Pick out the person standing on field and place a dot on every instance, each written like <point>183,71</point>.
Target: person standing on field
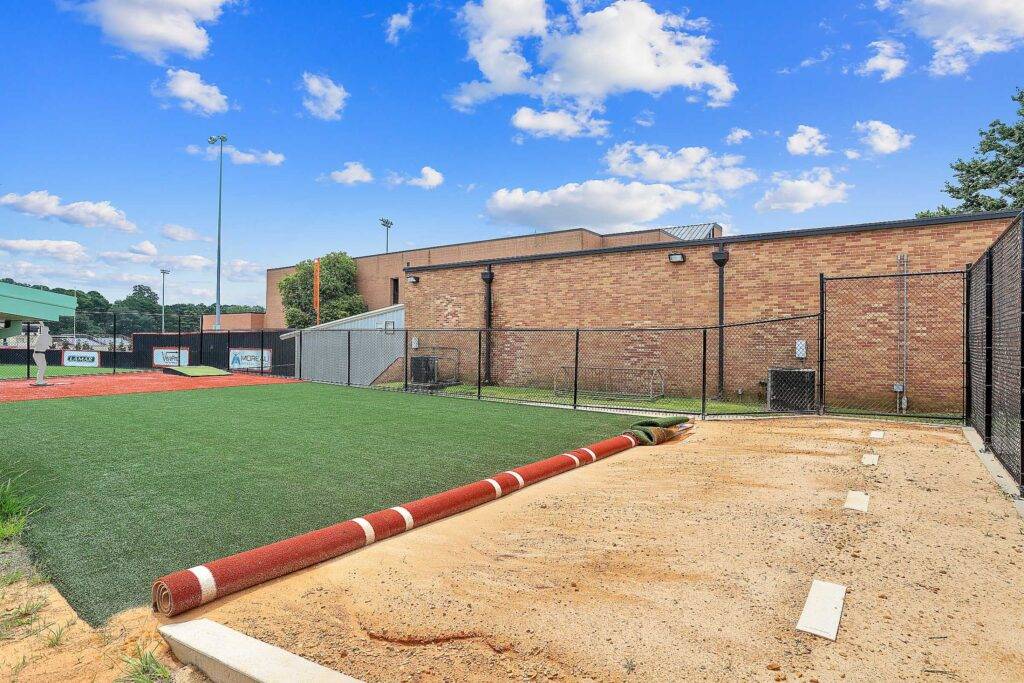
<point>43,342</point>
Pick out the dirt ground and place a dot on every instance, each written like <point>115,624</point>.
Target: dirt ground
<point>125,383</point>
<point>686,561</point>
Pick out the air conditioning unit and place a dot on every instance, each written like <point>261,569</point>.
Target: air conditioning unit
<point>423,370</point>
<point>791,390</point>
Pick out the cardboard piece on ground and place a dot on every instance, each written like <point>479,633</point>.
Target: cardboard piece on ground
<point>856,500</point>
<point>869,459</point>
<point>227,656</point>
<point>823,609</point>
<point>877,434</point>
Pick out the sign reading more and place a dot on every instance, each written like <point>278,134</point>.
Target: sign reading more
<point>249,359</point>
<point>80,359</point>
<point>167,357</point>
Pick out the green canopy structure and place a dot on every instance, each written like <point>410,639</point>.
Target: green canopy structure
<point>23,304</point>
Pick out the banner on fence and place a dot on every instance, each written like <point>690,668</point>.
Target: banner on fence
<point>249,359</point>
<point>80,359</point>
<point>168,356</point>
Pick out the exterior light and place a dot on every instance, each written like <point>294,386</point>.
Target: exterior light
<point>412,279</point>
<point>676,257</point>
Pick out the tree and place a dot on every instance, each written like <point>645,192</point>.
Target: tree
<point>339,297</point>
<point>142,300</point>
<point>993,180</point>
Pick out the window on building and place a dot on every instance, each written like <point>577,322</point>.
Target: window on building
<point>394,290</point>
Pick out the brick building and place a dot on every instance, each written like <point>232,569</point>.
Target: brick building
<point>684,278</point>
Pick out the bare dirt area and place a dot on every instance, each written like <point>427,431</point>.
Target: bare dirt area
<point>690,560</point>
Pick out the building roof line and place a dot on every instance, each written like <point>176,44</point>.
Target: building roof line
<point>722,241</point>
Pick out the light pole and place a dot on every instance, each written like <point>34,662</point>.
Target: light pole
<point>214,139</point>
<point>387,224</point>
<point>163,297</point>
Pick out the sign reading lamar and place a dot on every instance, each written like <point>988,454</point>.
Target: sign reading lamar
<point>249,359</point>
<point>80,359</point>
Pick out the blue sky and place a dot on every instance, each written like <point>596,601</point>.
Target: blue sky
<point>464,121</point>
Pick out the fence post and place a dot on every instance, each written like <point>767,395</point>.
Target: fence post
<point>479,362</point>
<point>704,373</point>
<point>348,357</point>
<point>262,344</point>
<point>821,343</point>
<point>576,372</point>
<point>114,315</point>
<point>227,349</point>
<point>179,340</point>
<point>200,340</point>
<point>967,345</point>
<point>988,347</point>
<point>405,354</point>
<point>28,350</point>
<point>298,364</point>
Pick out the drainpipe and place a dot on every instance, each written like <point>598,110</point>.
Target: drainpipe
<point>721,257</point>
<point>488,277</point>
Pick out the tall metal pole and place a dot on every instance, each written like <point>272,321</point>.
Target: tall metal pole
<point>387,224</point>
<point>220,200</point>
<point>163,300</point>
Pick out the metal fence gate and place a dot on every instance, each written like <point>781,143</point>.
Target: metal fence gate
<point>894,345</point>
<point>995,320</point>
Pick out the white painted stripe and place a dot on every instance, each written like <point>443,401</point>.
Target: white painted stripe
<point>877,434</point>
<point>518,477</point>
<point>406,515</point>
<point>856,500</point>
<point>497,487</point>
<point>207,584</point>
<point>823,609</point>
<point>631,438</point>
<point>869,459</point>
<point>575,459</point>
<point>592,454</point>
<point>371,536</point>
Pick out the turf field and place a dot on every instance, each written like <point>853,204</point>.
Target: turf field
<point>17,371</point>
<point>131,487</point>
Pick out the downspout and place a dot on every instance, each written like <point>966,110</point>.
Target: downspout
<point>488,277</point>
<point>721,257</point>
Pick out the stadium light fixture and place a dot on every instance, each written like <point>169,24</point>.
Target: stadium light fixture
<point>213,140</point>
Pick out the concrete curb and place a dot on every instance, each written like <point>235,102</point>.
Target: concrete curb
<point>995,468</point>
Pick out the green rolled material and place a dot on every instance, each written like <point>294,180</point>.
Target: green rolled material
<point>654,430</point>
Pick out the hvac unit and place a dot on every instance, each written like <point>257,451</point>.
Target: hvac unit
<point>436,369</point>
<point>423,369</point>
<point>791,390</point>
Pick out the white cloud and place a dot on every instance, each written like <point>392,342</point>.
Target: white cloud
<point>428,179</point>
<point>324,98</point>
<point>179,233</point>
<point>808,140</point>
<point>155,28</point>
<point>881,137</point>
<point>237,156</point>
<point>61,250</point>
<point>596,204</point>
<point>695,168</point>
<point>240,270</point>
<point>812,188</point>
<point>397,24</point>
<point>353,173</point>
<point>851,154</point>
<point>145,248</point>
<point>192,94</point>
<point>644,118</point>
<point>145,252</point>
<point>42,204</point>
<point>961,31</point>
<point>890,60</point>
<point>587,56</point>
<point>737,135</point>
<point>186,262</point>
<point>823,56</point>
<point>559,123</point>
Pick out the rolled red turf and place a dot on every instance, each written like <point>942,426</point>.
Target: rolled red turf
<point>189,588</point>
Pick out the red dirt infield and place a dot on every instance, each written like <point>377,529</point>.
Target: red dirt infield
<point>126,383</point>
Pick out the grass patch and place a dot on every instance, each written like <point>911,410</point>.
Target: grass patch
<point>14,622</point>
<point>144,667</point>
<point>138,485</point>
<point>17,371</point>
<point>14,509</point>
<point>55,634</point>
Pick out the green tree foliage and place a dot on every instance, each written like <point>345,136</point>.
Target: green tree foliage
<point>993,179</point>
<point>339,297</point>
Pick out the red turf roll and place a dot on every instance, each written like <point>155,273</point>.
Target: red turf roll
<point>189,588</point>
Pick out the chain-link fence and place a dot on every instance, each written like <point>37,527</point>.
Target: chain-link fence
<point>767,366</point>
<point>995,319</point>
<point>102,342</point>
<point>894,345</point>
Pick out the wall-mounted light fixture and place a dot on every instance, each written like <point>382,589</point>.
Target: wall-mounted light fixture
<point>412,279</point>
<point>676,257</point>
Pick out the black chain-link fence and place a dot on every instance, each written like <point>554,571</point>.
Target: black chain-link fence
<point>109,342</point>
<point>894,345</point>
<point>995,319</point>
<point>767,366</point>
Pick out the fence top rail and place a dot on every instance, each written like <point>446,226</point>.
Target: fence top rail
<point>1014,223</point>
<point>877,276</point>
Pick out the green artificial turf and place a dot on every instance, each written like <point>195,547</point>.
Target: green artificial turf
<point>17,371</point>
<point>197,371</point>
<point>132,487</point>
